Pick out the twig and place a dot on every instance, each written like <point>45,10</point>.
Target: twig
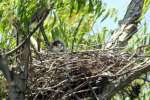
<point>82,91</point>
<point>70,92</point>
<point>39,92</point>
<point>50,89</point>
<point>59,84</point>
<point>140,47</point>
<point>109,67</point>
<point>143,68</point>
<point>95,96</point>
<point>51,66</point>
<point>128,65</point>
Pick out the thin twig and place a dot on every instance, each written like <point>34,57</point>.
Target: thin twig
<point>95,96</point>
<point>128,65</point>
<point>70,91</point>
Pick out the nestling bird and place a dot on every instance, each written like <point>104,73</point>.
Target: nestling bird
<point>57,46</point>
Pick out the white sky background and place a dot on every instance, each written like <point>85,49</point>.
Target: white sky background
<point>121,6</point>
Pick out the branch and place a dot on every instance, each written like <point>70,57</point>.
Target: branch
<point>30,34</point>
<point>133,13</point>
<point>142,68</point>
<point>37,16</point>
<point>128,25</point>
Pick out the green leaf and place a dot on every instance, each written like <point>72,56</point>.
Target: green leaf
<point>90,6</point>
<point>106,15</point>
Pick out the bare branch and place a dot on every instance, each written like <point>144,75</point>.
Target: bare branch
<point>128,25</point>
<point>119,85</point>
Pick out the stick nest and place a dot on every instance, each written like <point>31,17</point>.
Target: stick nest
<point>80,75</point>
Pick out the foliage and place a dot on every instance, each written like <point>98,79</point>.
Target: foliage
<point>62,21</point>
<point>71,21</point>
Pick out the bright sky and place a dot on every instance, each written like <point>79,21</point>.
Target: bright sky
<point>121,6</point>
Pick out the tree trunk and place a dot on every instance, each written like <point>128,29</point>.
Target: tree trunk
<point>19,75</point>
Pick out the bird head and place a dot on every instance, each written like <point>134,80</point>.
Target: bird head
<point>57,46</point>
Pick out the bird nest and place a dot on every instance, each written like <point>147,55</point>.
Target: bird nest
<point>74,76</point>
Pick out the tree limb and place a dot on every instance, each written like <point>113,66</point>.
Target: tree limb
<point>113,88</point>
<point>30,34</point>
<point>128,25</point>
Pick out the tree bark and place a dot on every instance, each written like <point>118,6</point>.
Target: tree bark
<point>19,75</point>
<point>127,26</point>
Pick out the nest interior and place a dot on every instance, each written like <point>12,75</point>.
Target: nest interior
<point>71,76</point>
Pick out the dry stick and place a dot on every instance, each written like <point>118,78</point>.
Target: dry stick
<point>86,90</point>
<point>81,85</point>
<point>84,83</point>
<point>75,90</point>
<point>59,84</point>
<point>143,69</point>
<point>87,78</point>
<point>128,65</point>
<point>62,65</point>
<point>50,89</point>
<point>109,67</point>
<point>51,66</point>
<point>93,77</point>
<point>35,98</point>
<point>72,90</point>
<point>28,37</point>
<point>132,70</point>
<point>95,96</point>
<point>140,47</point>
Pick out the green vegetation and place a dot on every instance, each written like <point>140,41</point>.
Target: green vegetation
<point>70,21</point>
